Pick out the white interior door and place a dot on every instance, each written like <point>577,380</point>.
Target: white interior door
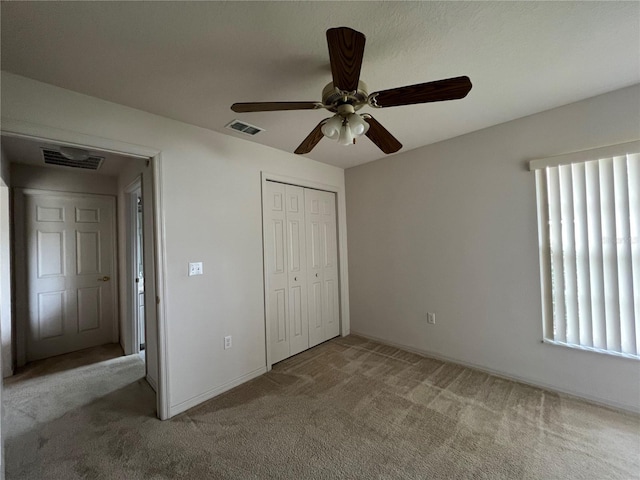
<point>70,273</point>
<point>275,252</point>
<point>297,269</point>
<point>314,266</point>
<point>301,268</point>
<point>330,290</point>
<point>322,266</point>
<point>285,261</point>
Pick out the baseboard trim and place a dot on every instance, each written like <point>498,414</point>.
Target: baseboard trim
<point>635,409</point>
<point>152,383</point>
<point>209,394</point>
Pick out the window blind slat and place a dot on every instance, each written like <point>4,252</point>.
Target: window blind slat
<point>569,255</point>
<point>594,239</point>
<point>555,243</point>
<point>609,254</point>
<point>633,185</point>
<point>623,248</point>
<point>583,290</point>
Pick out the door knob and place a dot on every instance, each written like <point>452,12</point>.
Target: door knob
<point>295,279</point>
<point>316,275</point>
<point>104,279</point>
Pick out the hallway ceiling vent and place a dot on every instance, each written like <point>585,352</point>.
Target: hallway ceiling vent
<point>53,157</point>
<point>245,128</point>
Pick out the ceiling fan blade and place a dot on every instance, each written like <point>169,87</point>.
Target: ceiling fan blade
<point>312,139</point>
<point>346,50</point>
<point>274,106</point>
<point>449,89</point>
<point>381,136</point>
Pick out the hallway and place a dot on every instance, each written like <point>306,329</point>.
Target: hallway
<point>60,396</point>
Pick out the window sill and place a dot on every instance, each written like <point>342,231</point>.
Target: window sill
<point>591,349</point>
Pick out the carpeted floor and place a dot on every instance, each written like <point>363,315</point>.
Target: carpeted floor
<point>349,408</point>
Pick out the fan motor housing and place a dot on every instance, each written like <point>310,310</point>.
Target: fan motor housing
<point>332,98</point>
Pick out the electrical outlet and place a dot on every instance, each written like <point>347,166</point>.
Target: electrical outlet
<point>195,268</point>
<point>431,318</point>
<point>227,342</point>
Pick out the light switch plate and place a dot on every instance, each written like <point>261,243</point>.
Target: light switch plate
<point>195,268</point>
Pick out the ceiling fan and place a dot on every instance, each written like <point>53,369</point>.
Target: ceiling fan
<point>347,94</point>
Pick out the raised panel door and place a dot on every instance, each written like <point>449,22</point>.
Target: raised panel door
<point>330,287</point>
<point>314,266</point>
<point>297,269</point>
<point>70,269</point>
<point>276,265</point>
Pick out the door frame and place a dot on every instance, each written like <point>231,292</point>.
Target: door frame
<point>21,255</point>
<point>131,230</point>
<point>341,227</point>
<point>38,132</point>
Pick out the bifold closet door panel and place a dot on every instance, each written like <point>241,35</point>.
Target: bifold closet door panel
<point>275,252</point>
<point>322,269</point>
<point>297,269</point>
<point>314,266</point>
<point>330,290</point>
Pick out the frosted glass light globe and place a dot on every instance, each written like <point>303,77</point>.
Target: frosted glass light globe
<point>331,129</point>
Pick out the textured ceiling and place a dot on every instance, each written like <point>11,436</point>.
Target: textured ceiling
<point>191,60</point>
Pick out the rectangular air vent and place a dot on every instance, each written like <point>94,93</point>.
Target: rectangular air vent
<point>53,157</point>
<point>245,128</point>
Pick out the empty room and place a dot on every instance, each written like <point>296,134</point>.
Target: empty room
<point>318,239</point>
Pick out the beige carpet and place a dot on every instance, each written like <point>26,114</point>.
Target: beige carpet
<point>349,408</point>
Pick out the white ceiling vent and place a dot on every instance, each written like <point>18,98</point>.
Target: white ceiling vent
<point>245,128</point>
<point>54,157</point>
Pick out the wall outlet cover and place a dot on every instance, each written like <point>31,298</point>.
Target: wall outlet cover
<point>195,268</point>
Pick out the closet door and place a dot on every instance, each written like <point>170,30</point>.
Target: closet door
<point>314,266</point>
<point>297,270</point>
<point>322,271</point>
<point>285,256</point>
<point>275,252</point>
<point>330,291</point>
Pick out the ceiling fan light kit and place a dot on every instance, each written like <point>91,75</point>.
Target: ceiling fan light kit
<point>347,94</point>
<point>345,126</point>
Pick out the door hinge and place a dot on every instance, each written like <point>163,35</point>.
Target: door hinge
<point>157,300</point>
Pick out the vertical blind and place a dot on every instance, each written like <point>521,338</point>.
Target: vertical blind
<point>589,230</point>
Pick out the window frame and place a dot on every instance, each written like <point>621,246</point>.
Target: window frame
<point>539,166</point>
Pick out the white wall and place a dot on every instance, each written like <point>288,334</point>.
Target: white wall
<point>212,213</point>
<point>451,228</point>
<point>61,180</point>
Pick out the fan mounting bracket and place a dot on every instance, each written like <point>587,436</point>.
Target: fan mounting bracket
<point>333,97</point>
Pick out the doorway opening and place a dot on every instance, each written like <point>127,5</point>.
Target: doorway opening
<point>83,254</point>
<point>135,266</point>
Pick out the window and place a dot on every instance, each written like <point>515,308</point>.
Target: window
<point>589,229</point>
